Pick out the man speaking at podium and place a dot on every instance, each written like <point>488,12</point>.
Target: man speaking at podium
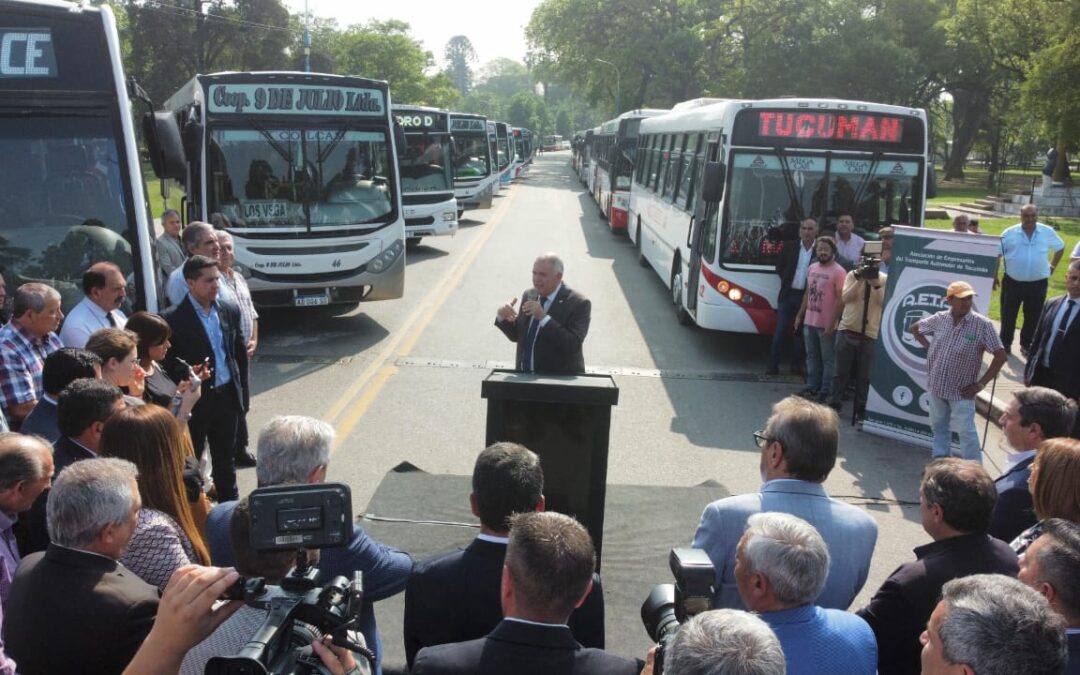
<point>551,325</point>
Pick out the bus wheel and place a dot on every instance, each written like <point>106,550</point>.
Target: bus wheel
<point>676,296</point>
<point>637,242</point>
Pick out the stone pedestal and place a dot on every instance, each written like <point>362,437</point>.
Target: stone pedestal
<point>1058,200</point>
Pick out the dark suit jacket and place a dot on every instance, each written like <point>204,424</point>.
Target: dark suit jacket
<point>454,596</point>
<point>32,530</point>
<point>191,343</point>
<point>1065,368</point>
<point>75,612</point>
<point>521,649</point>
<point>42,421</point>
<point>1074,655</point>
<point>558,344</point>
<point>899,610</point>
<point>1013,510</point>
<point>786,266</point>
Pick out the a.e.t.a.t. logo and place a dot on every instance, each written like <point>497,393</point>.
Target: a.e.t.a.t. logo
<point>916,304</point>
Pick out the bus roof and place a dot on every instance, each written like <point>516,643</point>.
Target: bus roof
<point>419,108</point>
<point>721,113</point>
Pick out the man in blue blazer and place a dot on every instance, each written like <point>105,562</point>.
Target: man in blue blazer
<point>206,329</point>
<point>548,572</point>
<point>798,450</point>
<point>1034,415</point>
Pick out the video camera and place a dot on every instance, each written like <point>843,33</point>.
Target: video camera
<point>299,611</point>
<point>869,266</point>
<point>669,605</point>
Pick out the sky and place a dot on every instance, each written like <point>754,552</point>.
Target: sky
<point>496,28</point>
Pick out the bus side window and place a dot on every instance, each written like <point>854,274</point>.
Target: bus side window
<point>708,237</point>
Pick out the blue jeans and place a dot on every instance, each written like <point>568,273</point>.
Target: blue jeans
<point>959,416</point>
<point>785,315</point>
<point>820,359</point>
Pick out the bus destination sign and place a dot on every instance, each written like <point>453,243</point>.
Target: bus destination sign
<point>467,124</point>
<point>421,121</point>
<point>27,52</point>
<point>294,100</point>
<point>858,127</point>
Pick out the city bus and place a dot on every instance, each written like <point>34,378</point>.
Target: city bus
<point>718,188</point>
<point>553,143</point>
<point>427,167</point>
<point>505,156</point>
<point>73,192</point>
<point>615,164</point>
<point>474,179</point>
<point>584,155</point>
<point>517,152</point>
<point>598,144</point>
<point>301,169</point>
<point>493,153</point>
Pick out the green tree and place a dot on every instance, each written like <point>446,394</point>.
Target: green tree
<point>1051,92</point>
<point>460,56</point>
<point>385,50</point>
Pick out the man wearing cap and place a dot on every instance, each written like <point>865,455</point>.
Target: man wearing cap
<point>954,357</point>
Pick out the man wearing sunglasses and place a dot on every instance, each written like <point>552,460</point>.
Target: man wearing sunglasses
<point>798,450</point>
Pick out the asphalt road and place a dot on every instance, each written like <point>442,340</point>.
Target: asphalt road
<point>400,380</point>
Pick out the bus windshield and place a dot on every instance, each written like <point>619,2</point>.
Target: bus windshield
<point>63,202</point>
<point>425,164</point>
<point>769,190</point>
<point>504,153</point>
<point>299,178</point>
<point>471,156</point>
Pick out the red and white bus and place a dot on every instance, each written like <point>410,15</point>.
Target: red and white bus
<point>719,186</point>
<point>615,164</point>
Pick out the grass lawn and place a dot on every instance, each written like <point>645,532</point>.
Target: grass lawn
<point>974,187</point>
<point>153,193</point>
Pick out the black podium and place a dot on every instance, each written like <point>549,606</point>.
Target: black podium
<point>566,420</point>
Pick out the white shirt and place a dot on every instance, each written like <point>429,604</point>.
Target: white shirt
<point>806,256</point>
<point>86,318</point>
<point>1014,458</point>
<point>851,249</point>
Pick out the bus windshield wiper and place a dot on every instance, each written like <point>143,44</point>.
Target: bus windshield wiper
<point>789,182</point>
<point>865,182</point>
<point>277,147</point>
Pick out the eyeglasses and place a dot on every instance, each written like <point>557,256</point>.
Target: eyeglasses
<point>761,440</point>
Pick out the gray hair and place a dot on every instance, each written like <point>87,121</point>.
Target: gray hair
<point>170,212</point>
<point>724,642</point>
<point>87,496</point>
<point>22,458</point>
<point>554,259</point>
<point>809,434</point>
<point>32,297</point>
<point>996,625</point>
<point>291,447</point>
<point>194,232</point>
<point>790,553</point>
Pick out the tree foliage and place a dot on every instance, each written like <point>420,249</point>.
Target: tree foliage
<point>460,55</point>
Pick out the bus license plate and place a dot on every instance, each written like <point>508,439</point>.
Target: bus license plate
<point>312,300</point>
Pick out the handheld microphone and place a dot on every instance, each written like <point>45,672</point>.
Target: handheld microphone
<point>195,381</point>
<point>532,294</point>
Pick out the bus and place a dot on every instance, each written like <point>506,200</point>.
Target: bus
<point>493,153</point>
<point>73,192</point>
<point>505,140</point>
<point>599,142</point>
<point>585,155</point>
<point>427,166</point>
<point>552,143</point>
<point>474,179</point>
<point>718,188</point>
<point>301,169</point>
<point>615,164</point>
<point>517,152</point>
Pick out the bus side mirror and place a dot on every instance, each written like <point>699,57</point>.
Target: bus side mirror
<point>399,139</point>
<point>712,189</point>
<point>192,136</point>
<point>166,148</point>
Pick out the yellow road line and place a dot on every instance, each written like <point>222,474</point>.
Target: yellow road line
<point>347,411</point>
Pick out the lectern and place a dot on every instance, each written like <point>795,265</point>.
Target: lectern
<point>566,419</point>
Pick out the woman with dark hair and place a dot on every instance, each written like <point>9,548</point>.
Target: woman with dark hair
<point>167,535</point>
<point>116,347</point>
<point>1054,484</point>
<point>153,335</point>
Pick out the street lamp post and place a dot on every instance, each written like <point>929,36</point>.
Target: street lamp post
<point>618,85</point>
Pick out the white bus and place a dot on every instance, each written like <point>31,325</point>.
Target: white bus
<point>301,169</point>
<point>427,173</point>
<point>505,156</point>
<point>475,181</point>
<point>615,164</point>
<point>73,192</point>
<point>719,188</point>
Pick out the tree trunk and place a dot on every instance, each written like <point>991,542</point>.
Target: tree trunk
<point>968,114</point>
<point>995,159</point>
<point>1061,168</point>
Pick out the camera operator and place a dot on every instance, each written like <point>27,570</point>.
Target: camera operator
<point>293,449</point>
<point>272,566</point>
<point>721,642</point>
<point>860,322</point>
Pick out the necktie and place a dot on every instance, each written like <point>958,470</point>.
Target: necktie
<point>1059,334</point>
<point>111,319</point>
<point>530,340</point>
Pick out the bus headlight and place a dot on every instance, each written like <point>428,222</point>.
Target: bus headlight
<point>449,216</point>
<point>735,295</point>
<point>386,258</point>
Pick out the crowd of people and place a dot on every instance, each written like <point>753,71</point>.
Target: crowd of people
<point>128,429</point>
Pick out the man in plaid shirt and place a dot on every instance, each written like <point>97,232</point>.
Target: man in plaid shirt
<point>25,341</point>
<point>953,361</point>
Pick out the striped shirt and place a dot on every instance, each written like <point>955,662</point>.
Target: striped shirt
<point>22,356</point>
<point>956,350</point>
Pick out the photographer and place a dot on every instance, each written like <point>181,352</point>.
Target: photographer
<point>860,322</point>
